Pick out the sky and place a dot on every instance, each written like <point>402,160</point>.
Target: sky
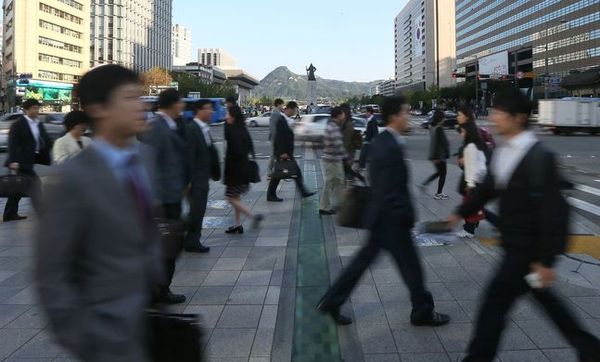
<point>351,40</point>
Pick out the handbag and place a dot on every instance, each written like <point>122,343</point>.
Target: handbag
<point>253,172</point>
<point>171,237</point>
<point>353,207</point>
<point>285,169</point>
<point>477,217</point>
<point>15,185</point>
<point>174,337</point>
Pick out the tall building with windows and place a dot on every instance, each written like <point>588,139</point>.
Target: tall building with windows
<point>46,49</point>
<point>424,45</point>
<point>216,57</point>
<point>540,41</point>
<point>133,33</point>
<point>181,45</point>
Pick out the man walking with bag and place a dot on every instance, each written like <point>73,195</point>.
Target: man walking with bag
<point>390,218</point>
<point>334,154</point>
<point>28,144</point>
<point>167,140</point>
<point>284,151</point>
<point>275,115</point>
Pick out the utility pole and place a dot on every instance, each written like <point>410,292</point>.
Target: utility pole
<point>516,69</point>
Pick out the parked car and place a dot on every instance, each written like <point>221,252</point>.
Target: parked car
<point>379,118</point>
<point>53,122</point>
<point>450,121</point>
<point>259,121</point>
<point>311,127</point>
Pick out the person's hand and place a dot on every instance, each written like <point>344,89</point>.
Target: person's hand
<point>461,162</point>
<point>453,220</point>
<point>285,156</point>
<point>14,166</point>
<point>546,274</point>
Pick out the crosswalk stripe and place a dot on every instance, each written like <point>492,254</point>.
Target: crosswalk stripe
<point>589,190</point>
<point>585,206</point>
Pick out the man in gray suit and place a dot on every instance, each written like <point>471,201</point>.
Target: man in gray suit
<point>200,150</point>
<point>275,115</point>
<point>97,248</point>
<point>167,138</point>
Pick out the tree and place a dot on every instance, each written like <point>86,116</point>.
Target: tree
<point>156,77</point>
<point>190,83</point>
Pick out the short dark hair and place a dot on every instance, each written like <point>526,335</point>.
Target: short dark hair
<point>391,106</point>
<point>292,104</point>
<point>97,85</point>
<point>370,109</point>
<point>168,97</point>
<point>74,118</point>
<point>336,111</point>
<point>201,103</point>
<point>231,99</point>
<point>28,103</point>
<point>467,111</point>
<point>472,135</point>
<point>237,114</point>
<point>437,117</point>
<point>278,102</point>
<point>513,102</point>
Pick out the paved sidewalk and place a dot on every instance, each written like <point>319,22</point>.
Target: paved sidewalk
<point>252,292</point>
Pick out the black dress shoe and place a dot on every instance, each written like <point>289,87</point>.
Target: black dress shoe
<point>235,230</point>
<point>326,212</point>
<point>15,218</point>
<point>274,199</point>
<point>335,314</point>
<point>435,320</point>
<point>197,249</point>
<point>170,298</point>
<point>308,194</point>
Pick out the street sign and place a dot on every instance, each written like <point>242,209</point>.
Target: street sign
<point>174,84</point>
<point>520,75</point>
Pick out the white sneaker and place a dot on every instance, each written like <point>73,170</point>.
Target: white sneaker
<point>440,197</point>
<point>465,234</point>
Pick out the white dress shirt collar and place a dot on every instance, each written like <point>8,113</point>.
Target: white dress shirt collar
<point>508,155</point>
<point>35,131</point>
<point>205,130</point>
<point>399,138</point>
<point>170,122</point>
<point>290,121</point>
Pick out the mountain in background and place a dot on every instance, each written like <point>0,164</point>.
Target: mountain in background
<point>283,83</point>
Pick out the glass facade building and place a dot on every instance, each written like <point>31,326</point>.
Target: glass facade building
<point>563,33</point>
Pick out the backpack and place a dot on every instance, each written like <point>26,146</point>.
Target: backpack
<point>490,144</point>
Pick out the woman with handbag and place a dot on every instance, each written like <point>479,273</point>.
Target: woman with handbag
<point>238,169</point>
<point>475,169</point>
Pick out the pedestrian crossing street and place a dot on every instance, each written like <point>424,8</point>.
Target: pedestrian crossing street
<point>586,198</point>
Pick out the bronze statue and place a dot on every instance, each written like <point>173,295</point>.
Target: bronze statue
<point>311,72</point>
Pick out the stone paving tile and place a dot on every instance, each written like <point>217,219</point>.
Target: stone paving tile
<point>543,333</point>
<point>263,343</point>
<point>369,313</point>
<point>455,336</point>
<point>240,316</point>
<point>375,338</point>
<point>230,343</point>
<point>522,356</point>
<point>453,309</point>
<point>221,278</point>
<point>424,357</point>
<point>268,317</point>
<point>236,252</point>
<point>229,264</point>
<point>189,278</point>
<point>411,339</point>
<point>364,293</point>
<point>393,293</point>
<point>513,338</point>
<point>590,305</point>
<point>212,295</point>
<point>561,355</point>
<point>464,290</point>
<point>13,339</point>
<point>20,278</point>
<point>390,357</point>
<point>32,319</point>
<point>273,294</point>
<point>209,314</point>
<point>248,295</point>
<point>41,346</point>
<point>10,312</point>
<point>190,264</point>
<point>26,296</point>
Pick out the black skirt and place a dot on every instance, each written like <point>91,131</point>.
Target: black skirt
<point>237,190</point>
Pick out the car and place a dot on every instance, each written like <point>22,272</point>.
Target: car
<point>53,122</point>
<point>311,127</point>
<point>450,121</point>
<point>379,118</point>
<point>259,121</point>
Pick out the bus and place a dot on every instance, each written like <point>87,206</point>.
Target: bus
<point>188,112</point>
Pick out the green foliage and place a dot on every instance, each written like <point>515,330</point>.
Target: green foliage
<point>190,83</point>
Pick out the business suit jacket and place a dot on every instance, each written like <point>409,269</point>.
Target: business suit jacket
<point>95,261</point>
<point>284,138</point>
<point>439,148</point>
<point>372,130</point>
<point>170,157</point>
<point>67,147</point>
<point>198,156</point>
<point>273,123</point>
<point>533,212</point>
<point>21,146</point>
<point>237,163</point>
<point>390,199</point>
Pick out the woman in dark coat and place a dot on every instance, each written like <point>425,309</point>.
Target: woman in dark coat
<point>439,151</point>
<point>237,167</point>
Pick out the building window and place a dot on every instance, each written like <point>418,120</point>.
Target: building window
<point>58,60</point>
<point>61,14</point>
<point>73,4</point>
<point>60,29</point>
<point>46,74</point>
<point>59,45</point>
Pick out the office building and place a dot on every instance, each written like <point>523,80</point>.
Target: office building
<point>424,45</point>
<point>216,57</point>
<point>46,50</point>
<point>181,45</point>
<point>133,33</point>
<point>560,36</point>
<point>387,88</point>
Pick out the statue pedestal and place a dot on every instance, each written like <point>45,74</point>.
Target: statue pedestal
<point>311,92</point>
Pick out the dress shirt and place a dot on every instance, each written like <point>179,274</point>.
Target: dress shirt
<point>399,138</point>
<point>290,121</point>
<point>508,155</point>
<point>170,121</point>
<point>34,126</point>
<point>205,131</point>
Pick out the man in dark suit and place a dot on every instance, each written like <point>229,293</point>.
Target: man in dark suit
<point>199,160</point>
<point>28,144</point>
<point>283,148</point>
<point>534,226</point>
<point>167,140</point>
<point>97,248</point>
<point>390,217</point>
<point>275,115</point>
<point>370,134</point>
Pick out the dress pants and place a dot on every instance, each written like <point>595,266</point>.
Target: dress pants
<point>274,182</point>
<point>11,209</point>
<point>507,285</point>
<point>198,199</point>
<point>334,185</point>
<point>364,155</point>
<point>397,240</point>
<point>171,211</point>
